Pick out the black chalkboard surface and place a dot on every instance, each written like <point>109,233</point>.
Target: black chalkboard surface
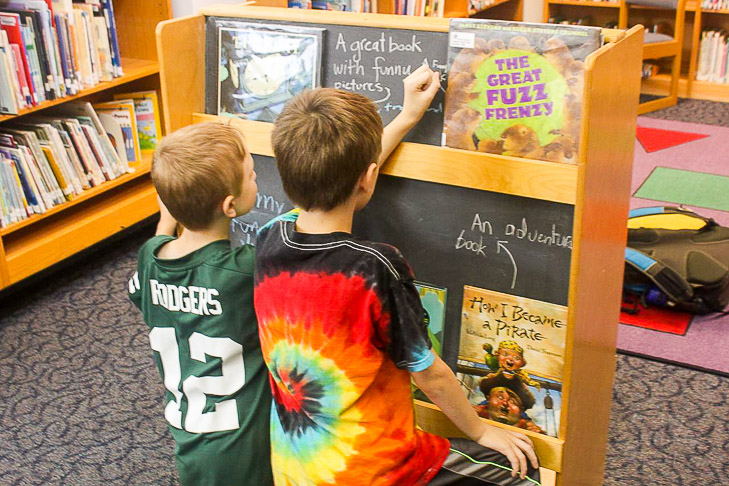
<point>270,202</point>
<point>453,236</point>
<point>366,60</point>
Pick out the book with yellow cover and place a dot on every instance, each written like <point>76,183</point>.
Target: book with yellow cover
<point>146,111</point>
<point>123,112</point>
<point>511,358</point>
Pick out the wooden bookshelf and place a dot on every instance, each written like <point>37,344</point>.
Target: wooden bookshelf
<point>598,187</point>
<point>40,241</point>
<point>696,20</point>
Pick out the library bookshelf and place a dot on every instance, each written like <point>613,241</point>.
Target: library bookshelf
<point>34,244</point>
<point>697,18</point>
<point>493,9</point>
<point>598,187</point>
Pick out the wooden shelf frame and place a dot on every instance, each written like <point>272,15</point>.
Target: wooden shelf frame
<point>31,245</point>
<point>598,187</point>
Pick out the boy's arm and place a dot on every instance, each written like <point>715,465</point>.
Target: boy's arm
<point>442,387</point>
<point>167,224</point>
<point>419,89</point>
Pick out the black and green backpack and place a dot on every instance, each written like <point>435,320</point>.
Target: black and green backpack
<point>678,259</point>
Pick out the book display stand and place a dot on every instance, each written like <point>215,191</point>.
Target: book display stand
<point>42,240</point>
<point>596,188</point>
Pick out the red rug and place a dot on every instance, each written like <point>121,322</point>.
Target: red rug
<point>656,318</point>
<point>655,139</point>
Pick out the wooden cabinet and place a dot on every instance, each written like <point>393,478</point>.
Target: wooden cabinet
<point>42,240</point>
<point>697,19</point>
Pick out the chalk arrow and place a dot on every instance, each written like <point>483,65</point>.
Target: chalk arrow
<point>501,245</point>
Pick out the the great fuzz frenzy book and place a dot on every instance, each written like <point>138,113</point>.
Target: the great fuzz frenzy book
<point>516,88</point>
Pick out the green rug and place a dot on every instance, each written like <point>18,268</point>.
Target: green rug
<point>686,187</point>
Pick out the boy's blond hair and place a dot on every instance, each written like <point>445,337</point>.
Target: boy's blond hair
<point>195,168</point>
<point>323,141</point>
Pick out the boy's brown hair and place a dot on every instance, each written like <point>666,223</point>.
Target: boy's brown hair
<point>195,168</point>
<point>324,140</point>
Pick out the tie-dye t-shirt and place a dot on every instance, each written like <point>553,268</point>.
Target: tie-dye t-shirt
<point>341,327</point>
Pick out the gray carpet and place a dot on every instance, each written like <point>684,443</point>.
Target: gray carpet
<point>81,402</point>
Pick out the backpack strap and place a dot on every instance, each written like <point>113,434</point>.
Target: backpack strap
<point>677,288</point>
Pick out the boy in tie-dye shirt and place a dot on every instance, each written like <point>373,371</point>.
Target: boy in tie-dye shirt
<point>340,321</point>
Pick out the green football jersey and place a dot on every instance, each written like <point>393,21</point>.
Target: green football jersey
<point>203,331</point>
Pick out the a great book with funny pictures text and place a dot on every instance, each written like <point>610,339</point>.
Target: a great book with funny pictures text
<point>516,88</point>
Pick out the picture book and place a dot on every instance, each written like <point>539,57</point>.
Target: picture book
<point>434,304</point>
<point>433,300</point>
<point>123,112</point>
<point>116,137</point>
<point>256,68</point>
<point>511,358</point>
<point>146,112</point>
<point>516,88</point>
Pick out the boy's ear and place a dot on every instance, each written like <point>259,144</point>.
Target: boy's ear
<point>228,207</point>
<point>369,177</point>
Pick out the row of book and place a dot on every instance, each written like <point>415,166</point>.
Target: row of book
<point>715,4</point>
<point>423,8</point>
<point>51,49</point>
<point>362,6</point>
<point>50,159</point>
<point>713,57</point>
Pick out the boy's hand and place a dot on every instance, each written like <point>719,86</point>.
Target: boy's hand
<point>515,446</point>
<point>442,387</point>
<point>419,89</point>
<point>167,224</point>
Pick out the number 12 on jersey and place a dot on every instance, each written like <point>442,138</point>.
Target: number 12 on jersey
<point>196,388</point>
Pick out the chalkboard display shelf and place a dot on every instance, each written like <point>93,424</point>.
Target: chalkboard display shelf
<point>548,181</point>
<point>591,198</point>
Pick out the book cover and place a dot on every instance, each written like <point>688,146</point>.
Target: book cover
<point>434,304</point>
<point>511,358</point>
<point>146,112</point>
<point>108,8</point>
<point>516,88</point>
<point>123,112</point>
<point>116,137</point>
<point>10,23</point>
<point>8,86</point>
<point>254,69</point>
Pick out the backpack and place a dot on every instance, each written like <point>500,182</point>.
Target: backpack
<point>678,259</point>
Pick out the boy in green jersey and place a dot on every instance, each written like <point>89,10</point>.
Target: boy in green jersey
<point>196,296</point>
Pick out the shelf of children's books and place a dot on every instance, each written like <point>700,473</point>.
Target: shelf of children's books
<point>538,179</point>
<point>586,3</point>
<point>432,419</point>
<point>133,69</point>
<point>140,169</point>
<point>38,246</point>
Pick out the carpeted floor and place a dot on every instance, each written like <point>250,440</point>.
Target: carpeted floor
<point>708,155</point>
<point>81,402</point>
